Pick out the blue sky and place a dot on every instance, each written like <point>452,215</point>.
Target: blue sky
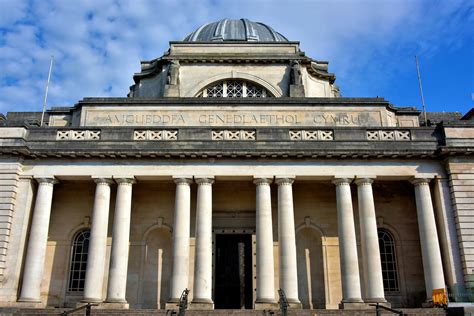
<point>370,45</point>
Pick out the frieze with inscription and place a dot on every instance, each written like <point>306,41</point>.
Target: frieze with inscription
<point>202,117</point>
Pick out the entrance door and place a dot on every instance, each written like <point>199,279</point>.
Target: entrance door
<point>233,271</point>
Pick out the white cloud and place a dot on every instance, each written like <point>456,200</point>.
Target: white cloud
<point>98,44</point>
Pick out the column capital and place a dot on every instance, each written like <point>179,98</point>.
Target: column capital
<point>342,180</point>
<point>103,180</point>
<point>364,180</point>
<point>419,181</point>
<point>204,180</point>
<point>183,180</point>
<point>46,180</point>
<point>263,180</point>
<point>282,180</point>
<point>125,179</point>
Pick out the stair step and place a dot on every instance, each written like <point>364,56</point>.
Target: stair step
<point>220,312</point>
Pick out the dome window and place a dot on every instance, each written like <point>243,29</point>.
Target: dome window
<point>234,89</point>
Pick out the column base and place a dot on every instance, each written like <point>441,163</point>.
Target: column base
<point>380,301</point>
<point>355,304</point>
<point>172,304</point>
<point>201,304</point>
<point>25,303</point>
<point>29,300</point>
<point>265,305</point>
<point>85,300</point>
<point>294,304</point>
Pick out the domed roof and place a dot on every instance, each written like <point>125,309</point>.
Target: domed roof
<point>235,30</point>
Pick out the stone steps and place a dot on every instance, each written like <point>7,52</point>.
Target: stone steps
<point>221,312</point>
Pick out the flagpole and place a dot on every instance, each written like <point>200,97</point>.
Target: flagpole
<point>46,90</point>
<point>421,90</point>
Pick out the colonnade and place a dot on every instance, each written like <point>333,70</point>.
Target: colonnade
<point>265,287</point>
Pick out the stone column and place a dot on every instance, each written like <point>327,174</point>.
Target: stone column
<point>287,241</point>
<point>351,293</point>
<point>120,243</point>
<point>38,239</point>
<point>265,267</point>
<point>430,251</point>
<point>371,262</point>
<point>202,296</point>
<point>180,270</point>
<point>98,241</point>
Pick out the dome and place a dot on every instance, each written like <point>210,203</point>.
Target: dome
<point>235,30</point>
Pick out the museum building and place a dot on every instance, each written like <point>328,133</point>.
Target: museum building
<point>234,168</point>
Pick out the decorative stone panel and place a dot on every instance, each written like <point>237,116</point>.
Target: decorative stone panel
<point>78,135</point>
<point>311,135</point>
<point>396,135</point>
<point>155,135</point>
<point>235,135</point>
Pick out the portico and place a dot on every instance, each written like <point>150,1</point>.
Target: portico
<point>274,209</point>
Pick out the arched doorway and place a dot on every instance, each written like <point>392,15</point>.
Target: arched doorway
<point>157,269</point>
<point>309,251</point>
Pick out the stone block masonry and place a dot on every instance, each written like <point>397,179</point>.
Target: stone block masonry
<point>461,182</point>
<point>9,174</point>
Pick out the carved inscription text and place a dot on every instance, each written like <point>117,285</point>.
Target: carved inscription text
<point>226,117</point>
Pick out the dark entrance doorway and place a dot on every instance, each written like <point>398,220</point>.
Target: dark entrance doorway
<point>233,271</point>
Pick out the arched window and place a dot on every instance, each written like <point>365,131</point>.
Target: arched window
<point>80,250</point>
<point>234,89</point>
<point>389,261</point>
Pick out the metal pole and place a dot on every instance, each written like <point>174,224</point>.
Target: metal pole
<point>46,92</point>
<point>421,90</point>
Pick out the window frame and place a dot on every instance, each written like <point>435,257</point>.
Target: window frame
<point>395,270</point>
<point>75,245</point>
<point>244,83</point>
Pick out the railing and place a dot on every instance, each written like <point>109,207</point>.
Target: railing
<point>283,302</point>
<point>183,303</point>
<point>378,310</point>
<point>87,307</point>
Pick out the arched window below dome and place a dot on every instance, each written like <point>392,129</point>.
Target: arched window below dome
<point>389,261</point>
<point>79,254</point>
<point>234,89</point>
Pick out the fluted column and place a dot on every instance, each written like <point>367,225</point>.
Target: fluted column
<point>265,265</point>
<point>180,270</point>
<point>120,241</point>
<point>202,296</point>
<point>430,251</point>
<point>351,292</point>
<point>98,241</point>
<point>372,265</point>
<point>35,254</point>
<point>287,241</point>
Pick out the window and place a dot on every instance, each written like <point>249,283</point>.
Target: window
<point>80,250</point>
<point>389,261</point>
<point>234,89</point>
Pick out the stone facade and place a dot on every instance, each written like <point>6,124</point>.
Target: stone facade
<point>235,144</point>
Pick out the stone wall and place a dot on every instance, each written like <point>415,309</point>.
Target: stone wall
<point>461,180</point>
